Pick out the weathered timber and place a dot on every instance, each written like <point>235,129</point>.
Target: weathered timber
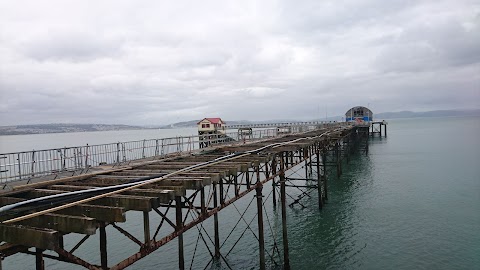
<point>9,200</point>
<point>128,202</point>
<point>229,169</point>
<point>63,223</point>
<point>103,213</point>
<point>136,203</point>
<point>134,192</point>
<point>31,237</point>
<point>67,179</point>
<point>98,212</point>
<point>240,166</point>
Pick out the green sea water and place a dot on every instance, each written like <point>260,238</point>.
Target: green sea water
<point>413,202</point>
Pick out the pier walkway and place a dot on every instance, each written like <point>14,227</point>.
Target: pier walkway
<point>173,194</point>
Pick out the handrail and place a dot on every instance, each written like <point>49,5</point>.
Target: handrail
<point>75,160</point>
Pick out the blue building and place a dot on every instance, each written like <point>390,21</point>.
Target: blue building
<point>359,114</point>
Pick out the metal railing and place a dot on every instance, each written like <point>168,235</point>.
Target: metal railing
<point>79,159</point>
<point>280,124</point>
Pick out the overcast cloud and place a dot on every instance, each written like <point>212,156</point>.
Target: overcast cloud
<point>159,62</point>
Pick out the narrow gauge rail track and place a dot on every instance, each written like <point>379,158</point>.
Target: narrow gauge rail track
<point>40,215</point>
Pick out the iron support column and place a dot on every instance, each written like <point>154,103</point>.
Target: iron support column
<point>319,182</point>
<point>274,189</point>
<point>325,175</point>
<point>146,228</point>
<point>39,262</point>
<point>179,221</point>
<point>337,159</point>
<point>221,194</point>
<point>103,246</point>
<point>215,222</point>
<point>261,238</point>
<point>310,154</point>
<point>235,184</point>
<point>202,202</point>
<point>286,259</point>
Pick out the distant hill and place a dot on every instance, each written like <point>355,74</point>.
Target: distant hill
<point>376,116</point>
<point>61,128</point>
<point>439,113</point>
<point>193,123</point>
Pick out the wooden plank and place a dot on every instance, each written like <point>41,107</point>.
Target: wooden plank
<point>224,171</point>
<point>208,170</point>
<point>30,236</point>
<point>193,184</point>
<point>67,179</point>
<point>63,223</point>
<point>103,213</point>
<point>98,212</point>
<point>137,173</point>
<point>135,192</point>
<point>103,181</point>
<point>128,202</point>
<point>9,200</point>
<point>215,176</point>
<point>136,203</point>
<point>243,162</point>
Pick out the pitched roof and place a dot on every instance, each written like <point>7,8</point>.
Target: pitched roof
<point>212,120</point>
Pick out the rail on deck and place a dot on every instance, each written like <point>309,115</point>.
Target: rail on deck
<point>27,165</point>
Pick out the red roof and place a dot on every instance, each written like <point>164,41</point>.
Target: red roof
<point>212,120</point>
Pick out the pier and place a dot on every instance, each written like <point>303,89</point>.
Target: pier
<point>175,193</point>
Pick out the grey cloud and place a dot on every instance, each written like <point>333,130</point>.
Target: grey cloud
<point>70,46</point>
<point>424,47</point>
<point>157,63</point>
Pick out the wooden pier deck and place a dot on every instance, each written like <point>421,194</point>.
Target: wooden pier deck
<point>180,191</point>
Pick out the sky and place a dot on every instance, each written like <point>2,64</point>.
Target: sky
<point>160,62</point>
